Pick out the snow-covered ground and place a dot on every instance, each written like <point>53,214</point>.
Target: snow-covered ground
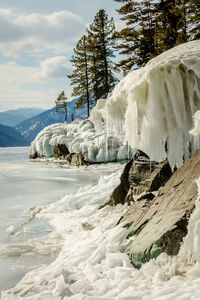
<point>24,184</point>
<point>91,264</point>
<point>150,109</point>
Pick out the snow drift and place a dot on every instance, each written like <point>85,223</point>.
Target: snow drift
<point>150,109</point>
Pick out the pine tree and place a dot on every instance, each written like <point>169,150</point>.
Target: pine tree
<point>61,104</point>
<point>80,76</point>
<point>136,41</point>
<point>101,33</point>
<point>171,24</point>
<point>94,68</point>
<point>194,16</point>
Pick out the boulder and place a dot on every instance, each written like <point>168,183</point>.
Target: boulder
<point>60,151</point>
<point>119,194</point>
<point>160,224</point>
<point>34,156</point>
<point>140,176</point>
<point>79,159</point>
<point>147,176</point>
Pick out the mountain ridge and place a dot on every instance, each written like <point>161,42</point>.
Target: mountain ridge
<point>31,127</point>
<point>10,137</point>
<point>13,117</point>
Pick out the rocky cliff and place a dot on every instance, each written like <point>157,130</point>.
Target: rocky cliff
<point>156,220</point>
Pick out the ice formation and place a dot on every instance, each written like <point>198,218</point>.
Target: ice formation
<point>150,109</point>
<point>91,264</point>
<point>80,137</point>
<point>154,105</point>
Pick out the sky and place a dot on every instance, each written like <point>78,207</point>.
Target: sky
<point>36,43</point>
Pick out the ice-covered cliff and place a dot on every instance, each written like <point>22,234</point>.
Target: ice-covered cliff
<point>150,109</point>
<point>154,105</point>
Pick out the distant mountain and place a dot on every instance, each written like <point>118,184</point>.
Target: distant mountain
<point>9,137</point>
<point>31,127</point>
<point>16,116</point>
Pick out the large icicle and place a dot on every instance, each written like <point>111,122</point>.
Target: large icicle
<point>156,103</point>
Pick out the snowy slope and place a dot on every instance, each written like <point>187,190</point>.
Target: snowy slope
<point>91,264</point>
<point>150,109</point>
<point>31,127</point>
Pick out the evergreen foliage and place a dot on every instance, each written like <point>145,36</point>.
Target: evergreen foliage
<point>154,26</point>
<point>80,76</point>
<point>194,22</point>
<point>101,40</point>
<point>61,104</point>
<point>93,75</point>
<point>137,38</point>
<point>171,24</point>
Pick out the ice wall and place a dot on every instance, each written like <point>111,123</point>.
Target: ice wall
<point>150,109</point>
<point>153,106</point>
<point>80,137</point>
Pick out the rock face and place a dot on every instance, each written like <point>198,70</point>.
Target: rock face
<point>147,176</point>
<point>74,159</point>
<point>78,159</point>
<point>60,151</point>
<point>160,223</point>
<point>119,194</point>
<point>34,156</point>
<point>140,175</point>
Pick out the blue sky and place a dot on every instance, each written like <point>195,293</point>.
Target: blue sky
<point>36,43</point>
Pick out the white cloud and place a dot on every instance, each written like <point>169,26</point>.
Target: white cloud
<point>23,33</point>
<point>55,67</point>
<point>13,93</point>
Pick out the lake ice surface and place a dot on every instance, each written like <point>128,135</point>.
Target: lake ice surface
<point>86,247</point>
<point>24,184</point>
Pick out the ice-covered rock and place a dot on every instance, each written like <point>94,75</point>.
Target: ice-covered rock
<point>160,224</point>
<point>150,109</point>
<point>79,137</point>
<point>140,179</point>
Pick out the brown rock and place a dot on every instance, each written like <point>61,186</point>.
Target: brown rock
<point>34,156</point>
<point>79,159</point>
<point>147,176</point>
<point>160,224</point>
<point>140,175</point>
<point>60,151</point>
<point>119,194</point>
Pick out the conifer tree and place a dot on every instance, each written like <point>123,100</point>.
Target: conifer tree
<point>171,24</point>
<point>80,76</point>
<point>101,33</point>
<point>94,68</point>
<point>61,104</point>
<point>194,16</point>
<point>136,40</point>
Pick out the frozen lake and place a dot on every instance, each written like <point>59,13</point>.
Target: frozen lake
<point>24,184</point>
